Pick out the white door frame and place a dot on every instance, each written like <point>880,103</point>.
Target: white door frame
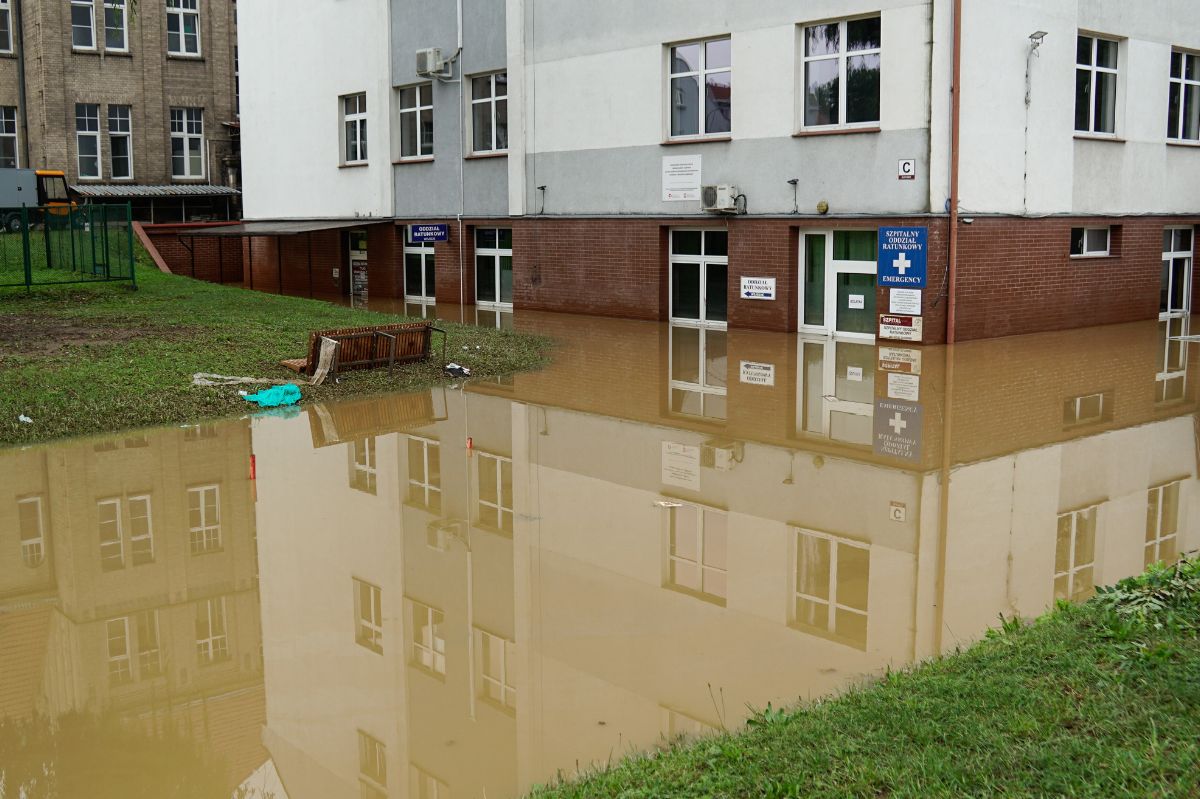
<point>701,262</point>
<point>495,254</point>
<point>1169,256</point>
<point>832,270</point>
<point>830,402</point>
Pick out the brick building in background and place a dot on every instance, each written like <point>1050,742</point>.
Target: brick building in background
<point>135,100</point>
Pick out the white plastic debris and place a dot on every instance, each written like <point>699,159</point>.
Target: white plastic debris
<point>24,419</point>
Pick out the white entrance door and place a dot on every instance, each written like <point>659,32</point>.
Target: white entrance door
<point>1175,296</point>
<point>837,283</point>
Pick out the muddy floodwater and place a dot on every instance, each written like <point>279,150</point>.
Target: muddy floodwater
<point>466,591</point>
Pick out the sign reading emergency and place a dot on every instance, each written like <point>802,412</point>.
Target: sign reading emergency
<point>757,374</point>
<point>680,178</point>
<point>905,301</point>
<point>900,328</point>
<point>902,256</point>
<point>758,288</point>
<point>429,233</point>
<point>898,429</point>
<point>681,465</point>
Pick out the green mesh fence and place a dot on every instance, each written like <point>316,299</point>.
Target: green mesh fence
<point>60,244</point>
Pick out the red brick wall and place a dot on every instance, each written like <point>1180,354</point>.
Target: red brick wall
<point>216,260</point>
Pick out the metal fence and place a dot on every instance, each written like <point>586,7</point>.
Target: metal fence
<point>47,245</point>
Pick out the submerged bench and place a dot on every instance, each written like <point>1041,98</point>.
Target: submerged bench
<point>368,347</point>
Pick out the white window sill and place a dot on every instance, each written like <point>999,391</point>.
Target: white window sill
<point>1183,143</point>
<point>413,159</point>
<point>715,137</point>
<point>1110,137</point>
<point>836,131</point>
<point>1091,256</point>
<point>353,164</point>
<point>186,56</point>
<point>487,154</point>
<point>89,50</point>
<point>86,179</point>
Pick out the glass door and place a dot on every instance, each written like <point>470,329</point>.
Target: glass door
<point>1175,296</point>
<point>837,283</point>
<point>835,390</point>
<point>493,268</point>
<point>699,277</point>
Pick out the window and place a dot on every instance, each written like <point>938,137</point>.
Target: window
<point>362,465</point>
<point>112,541</point>
<point>8,136</point>
<point>416,121</point>
<point>1089,242</point>
<point>698,369</point>
<point>423,785</point>
<point>1183,104</point>
<point>497,660</point>
<point>1074,554</point>
<point>83,31</point>
<point>1162,523</point>
<point>676,725</point>
<point>149,654</point>
<point>1088,408</point>
<point>32,531</point>
<point>354,128</point>
<point>841,73</point>
<point>493,267</point>
<point>368,615</point>
<point>120,669</point>
<point>196,432</point>
<point>187,142</point>
<point>489,113</point>
<point>418,268</point>
<point>116,29</point>
<point>120,142</point>
<point>428,638</point>
<point>1175,297</point>
<point>372,765</point>
<point>495,492</point>
<point>697,551</point>
<point>1095,85</point>
<point>694,65</point>
<point>6,31</point>
<point>87,139</point>
<point>204,519</point>
<point>1171,381</point>
<point>141,530</point>
<point>425,473</point>
<point>699,277</point>
<point>831,580</point>
<point>212,639</point>
<point>183,27</point>
<point>237,84</point>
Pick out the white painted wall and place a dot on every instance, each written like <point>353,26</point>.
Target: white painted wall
<point>296,57</point>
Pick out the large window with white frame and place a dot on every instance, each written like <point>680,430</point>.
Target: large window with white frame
<point>489,113</point>
<point>1183,101</point>
<point>183,27</point>
<point>697,551</point>
<point>187,143</point>
<point>841,70</point>
<point>372,766</point>
<point>353,108</point>
<point>120,142</point>
<point>368,615</point>
<point>1075,554</point>
<point>204,519</point>
<point>83,25</point>
<point>1175,291</point>
<point>427,638</point>
<point>495,492</point>
<point>699,368</point>
<point>1090,242</point>
<point>6,26</point>
<point>415,112</point>
<point>32,531</point>
<point>830,586</point>
<point>425,473</point>
<point>699,277</point>
<point>700,88</point>
<point>212,631</point>
<point>1162,523</point>
<point>116,26</point>
<point>1096,76</point>
<point>497,669</point>
<point>494,267</point>
<point>419,285</point>
<point>8,137</point>
<point>87,140</point>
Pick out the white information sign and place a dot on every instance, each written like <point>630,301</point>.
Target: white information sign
<point>900,359</point>
<point>681,465</point>
<point>680,178</point>
<point>854,373</point>
<point>857,301</point>
<point>758,288</point>
<point>757,374</point>
<point>906,301</point>
<point>906,169</point>
<point>903,386</point>
<point>900,328</point>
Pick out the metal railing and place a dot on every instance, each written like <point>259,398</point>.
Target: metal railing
<point>55,244</point>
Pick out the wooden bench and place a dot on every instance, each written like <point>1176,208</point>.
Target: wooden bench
<point>368,347</point>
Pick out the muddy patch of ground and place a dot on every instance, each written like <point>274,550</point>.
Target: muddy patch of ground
<point>24,334</point>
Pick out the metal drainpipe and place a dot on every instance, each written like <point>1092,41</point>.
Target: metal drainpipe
<point>952,268</point>
<point>462,187</point>
<point>20,26</point>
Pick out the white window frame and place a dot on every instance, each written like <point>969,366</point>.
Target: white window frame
<point>424,99</point>
<point>33,549</point>
<point>120,661</point>
<point>1169,257</point>
<point>1077,415</point>
<point>841,56</point>
<point>831,603</point>
<point>495,254</point>
<point>493,101</point>
<point>91,12</point>
<point>831,402</point>
<point>504,513</point>
<point>1155,536</point>
<point>118,9</point>
<point>701,261</point>
<point>187,126</point>
<point>180,11</point>
<point>701,75</point>
<point>363,473</point>
<point>833,268</point>
<point>702,389</point>
<point>1171,381</point>
<point>368,615</point>
<point>1184,82</point>
<point>205,537</point>
<point>90,131</point>
<point>672,508</point>
<point>428,650</point>
<point>421,489</point>
<point>499,684</point>
<point>120,128</point>
<point>425,250</point>
<point>146,666</point>
<point>6,44</point>
<point>112,546</point>
<point>1073,567</point>
<point>213,647</point>
<point>422,783</point>
<point>372,764</point>
<point>144,540</point>
<point>1086,252</point>
<point>1093,70</point>
<point>8,130</point>
<point>357,121</point>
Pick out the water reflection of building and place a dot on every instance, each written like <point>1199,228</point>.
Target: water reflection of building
<point>128,586</point>
<point>542,572</point>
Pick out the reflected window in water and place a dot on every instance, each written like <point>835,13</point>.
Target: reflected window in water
<point>197,432</point>
<point>1171,381</point>
<point>425,473</point>
<point>832,576</point>
<point>836,390</point>
<point>212,639</point>
<point>1088,409</point>
<point>372,766</point>
<point>204,519</point>
<point>428,638</point>
<point>120,670</point>
<point>368,615</point>
<point>501,320</point>
<point>1075,554</point>
<point>495,492</point>
<point>677,724</point>
<point>497,659</point>
<point>1162,523</point>
<point>698,369</point>
<point>149,653</point>
<point>423,785</point>
<point>362,465</point>
<point>121,648</point>
<point>112,538</point>
<point>32,531</point>
<point>697,549</point>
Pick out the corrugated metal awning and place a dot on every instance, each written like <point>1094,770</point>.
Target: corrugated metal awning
<point>277,227</point>
<point>125,190</point>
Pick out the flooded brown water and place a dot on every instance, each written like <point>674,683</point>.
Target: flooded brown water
<point>465,591</point>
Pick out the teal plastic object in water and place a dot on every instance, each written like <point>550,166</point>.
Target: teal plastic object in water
<point>276,396</point>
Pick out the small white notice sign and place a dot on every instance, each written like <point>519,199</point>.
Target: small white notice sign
<point>906,169</point>
<point>901,327</point>
<point>903,386</point>
<point>680,178</point>
<point>757,374</point>
<point>905,301</point>
<point>758,288</point>
<point>857,301</point>
<point>681,465</point>
<point>854,373</point>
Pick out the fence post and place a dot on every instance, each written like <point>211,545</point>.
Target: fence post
<point>25,247</point>
<point>104,244</point>
<point>129,234</point>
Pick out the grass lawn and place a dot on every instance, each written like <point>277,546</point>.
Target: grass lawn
<point>93,358</point>
<point>1093,700</point>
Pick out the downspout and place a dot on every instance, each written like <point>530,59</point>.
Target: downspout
<point>462,154</point>
<point>955,98</point>
<point>20,26</point>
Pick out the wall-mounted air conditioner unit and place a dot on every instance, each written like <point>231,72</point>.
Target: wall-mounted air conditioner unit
<point>430,62</point>
<point>721,454</point>
<point>719,199</point>
<point>440,532</point>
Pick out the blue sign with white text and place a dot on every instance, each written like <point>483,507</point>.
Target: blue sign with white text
<point>429,233</point>
<point>902,256</point>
